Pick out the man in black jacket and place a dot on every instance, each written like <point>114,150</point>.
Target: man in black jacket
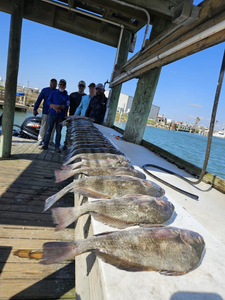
<point>76,97</point>
<point>97,106</point>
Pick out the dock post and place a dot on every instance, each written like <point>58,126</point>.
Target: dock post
<point>11,77</point>
<point>144,94</point>
<point>122,58</point>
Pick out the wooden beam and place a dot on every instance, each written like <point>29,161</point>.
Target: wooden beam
<point>212,13</point>
<point>60,18</point>
<point>117,8</point>
<point>115,92</point>
<point>11,77</point>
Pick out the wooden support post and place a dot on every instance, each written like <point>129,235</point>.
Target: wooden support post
<point>122,58</point>
<point>144,95</point>
<point>11,77</point>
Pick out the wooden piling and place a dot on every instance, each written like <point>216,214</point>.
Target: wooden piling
<point>11,77</point>
<point>122,58</point>
<point>144,95</point>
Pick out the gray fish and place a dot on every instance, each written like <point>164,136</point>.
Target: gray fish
<point>112,150</point>
<point>98,163</point>
<point>61,175</point>
<point>120,213</point>
<point>108,187</point>
<point>76,146</point>
<point>92,156</point>
<point>168,250</point>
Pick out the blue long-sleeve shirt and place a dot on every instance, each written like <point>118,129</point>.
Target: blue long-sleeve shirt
<point>81,110</point>
<point>44,94</point>
<point>58,98</point>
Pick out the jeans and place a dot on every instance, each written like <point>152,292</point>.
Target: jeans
<point>53,119</point>
<point>41,136</point>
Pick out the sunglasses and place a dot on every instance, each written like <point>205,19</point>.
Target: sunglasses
<point>62,84</point>
<point>81,85</point>
<point>99,89</point>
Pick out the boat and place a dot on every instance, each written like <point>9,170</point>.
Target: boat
<point>220,134</point>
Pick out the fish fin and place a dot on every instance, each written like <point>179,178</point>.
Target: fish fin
<point>64,216</point>
<point>55,252</point>
<point>133,195</point>
<point>172,273</point>
<point>113,222</point>
<point>120,263</point>
<point>90,193</point>
<point>152,225</point>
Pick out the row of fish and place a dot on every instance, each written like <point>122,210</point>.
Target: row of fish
<point>124,198</point>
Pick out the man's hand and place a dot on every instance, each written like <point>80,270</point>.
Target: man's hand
<point>35,112</point>
<point>57,108</point>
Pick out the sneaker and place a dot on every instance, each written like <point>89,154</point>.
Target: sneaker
<point>52,144</point>
<point>43,147</point>
<point>57,150</point>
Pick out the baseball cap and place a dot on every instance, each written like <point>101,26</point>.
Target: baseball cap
<point>100,86</point>
<point>92,84</point>
<point>62,81</point>
<point>82,82</point>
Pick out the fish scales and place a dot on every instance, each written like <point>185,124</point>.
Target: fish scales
<point>92,156</point>
<point>120,213</point>
<point>169,250</point>
<point>61,175</point>
<point>108,187</point>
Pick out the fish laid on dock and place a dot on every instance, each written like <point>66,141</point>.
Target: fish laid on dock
<point>119,213</point>
<point>91,156</point>
<point>168,250</point>
<point>99,149</point>
<point>61,175</point>
<point>108,187</point>
<point>98,163</point>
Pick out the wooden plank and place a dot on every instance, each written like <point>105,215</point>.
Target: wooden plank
<point>22,244</point>
<point>19,232</point>
<point>35,289</point>
<point>36,271</point>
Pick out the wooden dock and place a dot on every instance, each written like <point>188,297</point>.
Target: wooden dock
<point>26,180</point>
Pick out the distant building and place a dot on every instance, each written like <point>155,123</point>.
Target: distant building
<point>125,103</point>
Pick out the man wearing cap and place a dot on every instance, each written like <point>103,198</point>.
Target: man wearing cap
<point>97,106</point>
<point>45,92</point>
<point>81,110</point>
<point>75,98</point>
<point>58,102</point>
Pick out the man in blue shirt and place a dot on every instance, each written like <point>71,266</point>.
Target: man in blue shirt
<point>44,95</point>
<point>81,110</point>
<point>58,102</point>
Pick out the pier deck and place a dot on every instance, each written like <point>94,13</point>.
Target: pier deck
<point>26,180</point>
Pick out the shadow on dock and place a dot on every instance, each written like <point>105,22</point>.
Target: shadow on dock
<point>26,181</point>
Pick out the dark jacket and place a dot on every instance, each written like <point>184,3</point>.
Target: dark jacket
<point>75,100</point>
<point>96,108</point>
<point>60,98</point>
<point>44,94</point>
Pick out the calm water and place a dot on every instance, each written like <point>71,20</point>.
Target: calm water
<point>191,147</point>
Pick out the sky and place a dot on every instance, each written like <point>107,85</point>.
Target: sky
<point>186,88</point>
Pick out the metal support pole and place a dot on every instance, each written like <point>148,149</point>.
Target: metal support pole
<point>11,77</point>
<point>122,58</point>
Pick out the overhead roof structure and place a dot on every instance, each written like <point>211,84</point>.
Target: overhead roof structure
<point>65,18</point>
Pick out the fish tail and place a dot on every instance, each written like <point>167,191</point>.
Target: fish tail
<point>61,175</point>
<point>54,198</point>
<point>64,216</point>
<point>73,166</point>
<point>55,252</point>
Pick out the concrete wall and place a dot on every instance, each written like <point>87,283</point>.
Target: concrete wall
<point>125,102</point>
